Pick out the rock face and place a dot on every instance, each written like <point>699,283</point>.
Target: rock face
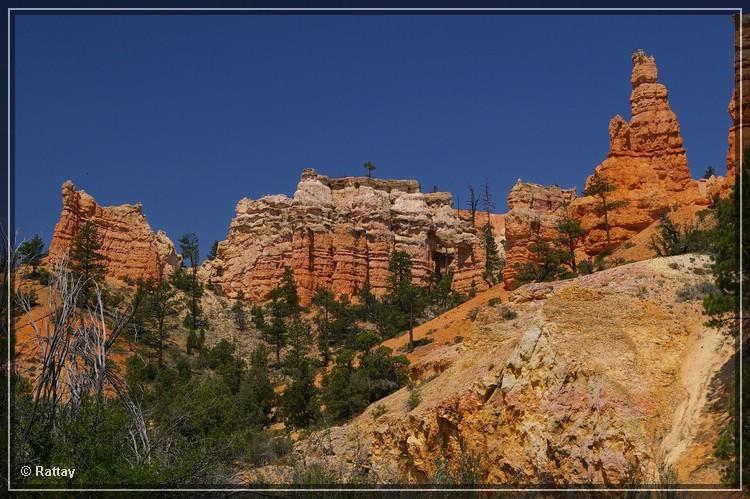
<point>131,248</point>
<point>533,212</point>
<point>337,233</point>
<point>739,116</point>
<point>560,395</point>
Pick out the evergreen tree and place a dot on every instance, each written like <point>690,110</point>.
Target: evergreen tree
<point>710,172</point>
<point>299,403</point>
<point>324,301</point>
<point>256,394</point>
<point>31,252</point>
<point>369,166</point>
<point>600,187</point>
<point>487,202</point>
<point>238,311</point>
<point>277,328</point>
<point>571,234</point>
<point>86,261</point>
<point>473,204</point>
<point>258,319</point>
<point>212,252</point>
<point>546,264</point>
<point>159,303</point>
<point>285,294</point>
<point>405,295</point>
<point>194,320</point>
<point>493,266</point>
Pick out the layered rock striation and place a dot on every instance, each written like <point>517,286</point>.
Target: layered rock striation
<point>131,248</point>
<point>336,234</point>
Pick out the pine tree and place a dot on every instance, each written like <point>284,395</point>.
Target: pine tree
<point>405,295</point>
<point>159,303</point>
<point>238,311</point>
<point>493,263</point>
<point>369,166</point>
<point>194,320</point>
<point>600,187</point>
<point>286,294</point>
<point>473,204</point>
<point>571,234</point>
<point>31,252</point>
<point>324,300</point>
<point>487,202</point>
<point>214,249</point>
<point>85,259</point>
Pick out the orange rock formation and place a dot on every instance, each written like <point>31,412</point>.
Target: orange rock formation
<point>131,248</point>
<point>743,116</point>
<point>337,233</point>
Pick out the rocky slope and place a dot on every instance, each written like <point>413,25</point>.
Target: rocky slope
<point>337,233</point>
<point>560,394</point>
<point>129,245</point>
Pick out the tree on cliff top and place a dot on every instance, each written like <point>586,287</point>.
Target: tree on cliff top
<point>600,187</point>
<point>473,204</point>
<point>31,252</point>
<point>487,202</point>
<point>85,260</point>
<point>212,253</point>
<point>369,166</point>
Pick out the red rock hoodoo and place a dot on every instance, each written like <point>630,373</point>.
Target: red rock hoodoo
<point>337,233</point>
<point>131,248</point>
<point>647,165</point>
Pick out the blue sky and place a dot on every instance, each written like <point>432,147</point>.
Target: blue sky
<point>188,114</point>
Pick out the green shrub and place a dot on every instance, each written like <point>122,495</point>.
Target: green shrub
<point>457,339</point>
<point>508,313</point>
<point>494,302</point>
<point>472,315</point>
<point>414,398</point>
<point>378,411</point>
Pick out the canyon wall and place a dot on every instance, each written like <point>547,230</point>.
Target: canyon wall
<point>129,245</point>
<point>337,233</point>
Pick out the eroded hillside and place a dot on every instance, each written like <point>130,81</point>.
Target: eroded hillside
<point>607,378</point>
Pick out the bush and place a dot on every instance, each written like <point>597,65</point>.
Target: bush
<point>494,302</point>
<point>472,315</point>
<point>414,398</point>
<point>457,339</point>
<point>508,313</point>
<point>378,411</point>
<point>696,292</point>
<point>672,239</point>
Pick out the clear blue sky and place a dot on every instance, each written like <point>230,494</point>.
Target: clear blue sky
<point>188,114</point>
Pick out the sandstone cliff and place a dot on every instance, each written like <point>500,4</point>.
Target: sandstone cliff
<point>131,248</point>
<point>338,233</point>
<point>560,394</point>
